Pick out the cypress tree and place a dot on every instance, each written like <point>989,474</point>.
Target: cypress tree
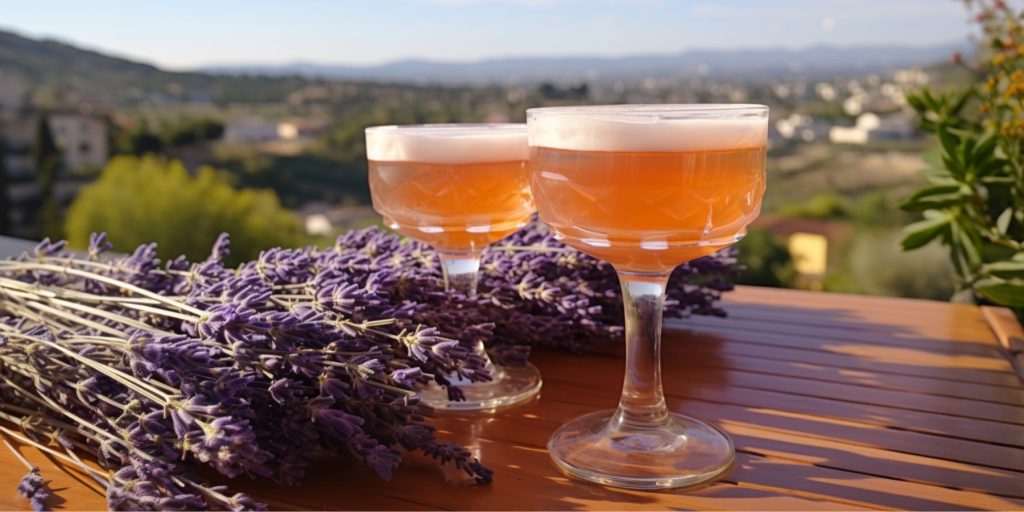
<point>46,157</point>
<point>5,200</point>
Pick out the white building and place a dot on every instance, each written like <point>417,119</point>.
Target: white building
<point>871,127</point>
<point>253,130</point>
<point>293,129</point>
<point>914,78</point>
<point>322,219</point>
<point>82,139</point>
<point>250,130</point>
<point>802,127</point>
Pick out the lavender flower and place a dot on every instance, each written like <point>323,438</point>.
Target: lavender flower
<point>32,487</point>
<point>156,369</point>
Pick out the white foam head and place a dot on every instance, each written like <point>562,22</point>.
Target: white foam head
<point>649,127</point>
<point>447,143</point>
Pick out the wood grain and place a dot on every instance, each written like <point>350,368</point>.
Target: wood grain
<point>834,402</point>
<point>1009,333</point>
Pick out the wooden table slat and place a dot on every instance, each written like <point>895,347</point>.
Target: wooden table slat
<point>821,338</point>
<point>866,379</point>
<point>741,344</point>
<point>1010,334</point>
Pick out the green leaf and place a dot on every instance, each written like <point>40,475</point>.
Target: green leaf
<point>961,132</point>
<point>916,102</point>
<point>931,191</point>
<point>997,180</point>
<point>958,262</point>
<point>994,253</point>
<point>932,203</point>
<point>940,178</point>
<point>1006,293</point>
<point>949,143</point>
<point>986,146</point>
<point>967,145</point>
<point>929,100</point>
<point>954,167</point>
<point>958,105</point>
<point>968,241</point>
<point>1005,269</point>
<point>1003,222</point>
<point>920,233</point>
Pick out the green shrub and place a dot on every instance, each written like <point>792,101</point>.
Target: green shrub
<point>765,261</point>
<point>152,199</point>
<point>821,206</point>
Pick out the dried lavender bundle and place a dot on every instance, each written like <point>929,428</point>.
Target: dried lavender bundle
<point>154,368</point>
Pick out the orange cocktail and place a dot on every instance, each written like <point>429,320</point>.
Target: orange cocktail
<point>646,188</point>
<point>458,188</point>
<point>644,204</point>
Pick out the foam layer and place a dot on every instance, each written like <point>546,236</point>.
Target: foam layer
<point>447,143</point>
<point>640,128</point>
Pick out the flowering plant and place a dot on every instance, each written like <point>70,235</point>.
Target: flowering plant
<point>154,368</point>
<point>975,202</point>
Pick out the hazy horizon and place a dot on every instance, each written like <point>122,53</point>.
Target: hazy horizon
<point>193,35</point>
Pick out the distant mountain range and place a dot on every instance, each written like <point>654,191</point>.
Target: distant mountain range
<point>47,67</point>
<point>813,61</point>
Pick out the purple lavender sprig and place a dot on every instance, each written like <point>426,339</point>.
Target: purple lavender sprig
<point>155,368</point>
<point>31,486</point>
<point>34,488</point>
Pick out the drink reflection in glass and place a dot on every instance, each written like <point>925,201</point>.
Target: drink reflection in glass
<point>646,188</point>
<point>459,188</point>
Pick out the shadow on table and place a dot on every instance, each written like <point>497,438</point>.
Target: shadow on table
<point>843,340</point>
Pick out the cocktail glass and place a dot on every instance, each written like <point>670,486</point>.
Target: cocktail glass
<point>459,188</point>
<point>646,188</point>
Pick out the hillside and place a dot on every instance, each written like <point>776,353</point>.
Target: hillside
<point>50,68</point>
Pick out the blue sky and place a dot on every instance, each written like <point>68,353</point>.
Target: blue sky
<point>188,33</point>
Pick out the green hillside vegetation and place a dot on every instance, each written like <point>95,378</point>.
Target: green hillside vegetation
<point>48,68</point>
<point>137,201</point>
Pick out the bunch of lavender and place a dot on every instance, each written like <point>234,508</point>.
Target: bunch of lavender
<point>537,291</point>
<point>154,368</point>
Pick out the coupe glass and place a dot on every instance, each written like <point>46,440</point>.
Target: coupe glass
<point>646,188</point>
<point>459,188</point>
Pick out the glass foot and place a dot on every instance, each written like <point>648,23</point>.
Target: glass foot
<point>510,386</point>
<point>683,452</point>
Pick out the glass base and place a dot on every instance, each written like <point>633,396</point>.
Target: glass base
<point>684,452</point>
<point>509,386</point>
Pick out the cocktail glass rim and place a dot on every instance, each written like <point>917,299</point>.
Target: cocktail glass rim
<point>658,111</point>
<point>429,128</point>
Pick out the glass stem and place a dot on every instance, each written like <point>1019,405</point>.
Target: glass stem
<point>642,405</point>
<point>461,270</point>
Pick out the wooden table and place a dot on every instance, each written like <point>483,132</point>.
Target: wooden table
<point>833,401</point>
